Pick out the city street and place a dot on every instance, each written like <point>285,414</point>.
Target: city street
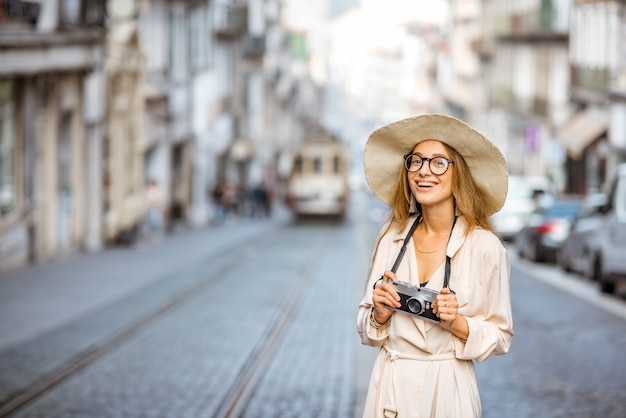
<point>256,318</point>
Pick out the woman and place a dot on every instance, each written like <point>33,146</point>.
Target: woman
<point>441,172</point>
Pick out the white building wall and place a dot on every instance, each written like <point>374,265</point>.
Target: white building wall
<point>201,128</point>
<point>617,127</point>
<point>559,85</point>
<point>48,16</point>
<point>94,114</point>
<point>153,23</point>
<point>524,76</point>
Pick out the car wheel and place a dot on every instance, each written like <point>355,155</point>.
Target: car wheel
<point>561,259</point>
<point>606,286</point>
<point>520,248</point>
<point>536,255</point>
<point>596,269</point>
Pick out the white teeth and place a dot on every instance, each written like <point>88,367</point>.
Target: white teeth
<point>425,184</point>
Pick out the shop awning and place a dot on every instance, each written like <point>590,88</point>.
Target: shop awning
<point>582,130</point>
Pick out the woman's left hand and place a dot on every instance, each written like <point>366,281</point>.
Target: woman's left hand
<point>446,307</point>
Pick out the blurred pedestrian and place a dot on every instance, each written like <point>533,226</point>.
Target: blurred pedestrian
<point>155,207</point>
<point>442,180</point>
<point>217,196</point>
<point>266,199</point>
<point>259,201</point>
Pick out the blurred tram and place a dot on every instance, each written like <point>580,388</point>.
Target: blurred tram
<point>318,181</point>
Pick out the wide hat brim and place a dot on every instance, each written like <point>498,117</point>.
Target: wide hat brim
<point>386,147</point>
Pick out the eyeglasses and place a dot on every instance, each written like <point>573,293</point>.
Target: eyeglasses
<point>438,165</point>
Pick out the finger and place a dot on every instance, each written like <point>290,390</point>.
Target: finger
<point>383,297</point>
<point>384,307</point>
<point>389,275</point>
<point>390,289</point>
<point>449,299</point>
<point>390,300</point>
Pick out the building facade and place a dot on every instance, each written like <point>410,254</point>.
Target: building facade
<point>594,136</point>
<point>48,52</point>
<point>98,98</point>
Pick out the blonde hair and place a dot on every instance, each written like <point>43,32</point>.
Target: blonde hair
<point>468,196</point>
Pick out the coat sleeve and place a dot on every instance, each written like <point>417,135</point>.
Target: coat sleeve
<point>491,327</point>
<point>378,264</point>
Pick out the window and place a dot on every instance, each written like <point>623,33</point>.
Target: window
<point>317,164</point>
<point>297,166</point>
<point>199,38</point>
<point>336,164</point>
<point>177,43</point>
<point>70,12</point>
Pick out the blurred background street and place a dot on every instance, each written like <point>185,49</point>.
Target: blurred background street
<point>185,228</point>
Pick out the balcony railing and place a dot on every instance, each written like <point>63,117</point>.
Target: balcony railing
<point>596,79</point>
<point>503,97</point>
<point>19,12</point>
<point>546,21</point>
<point>254,46</point>
<point>230,19</point>
<point>82,13</point>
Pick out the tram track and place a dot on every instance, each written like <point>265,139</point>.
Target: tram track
<point>240,390</point>
<point>230,256</point>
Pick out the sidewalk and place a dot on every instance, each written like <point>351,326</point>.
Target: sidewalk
<point>39,298</point>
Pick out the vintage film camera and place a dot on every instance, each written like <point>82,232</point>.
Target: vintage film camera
<point>416,301</point>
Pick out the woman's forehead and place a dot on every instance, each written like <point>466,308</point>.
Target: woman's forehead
<point>430,147</point>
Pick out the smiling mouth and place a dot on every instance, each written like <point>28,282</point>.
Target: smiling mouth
<point>425,184</point>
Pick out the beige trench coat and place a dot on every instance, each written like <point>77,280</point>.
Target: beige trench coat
<point>422,370</point>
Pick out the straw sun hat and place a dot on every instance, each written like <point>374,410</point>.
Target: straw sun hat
<point>386,147</point>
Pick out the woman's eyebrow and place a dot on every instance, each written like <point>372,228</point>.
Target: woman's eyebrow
<point>433,155</point>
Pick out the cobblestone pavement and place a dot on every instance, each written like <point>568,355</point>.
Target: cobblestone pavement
<point>231,284</point>
<point>312,372</point>
<point>84,301</point>
<point>184,363</point>
<point>567,358</point>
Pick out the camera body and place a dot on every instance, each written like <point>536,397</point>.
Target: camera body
<point>416,300</point>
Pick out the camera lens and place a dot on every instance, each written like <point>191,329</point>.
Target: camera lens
<point>414,305</point>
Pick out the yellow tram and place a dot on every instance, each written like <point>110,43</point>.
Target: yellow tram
<point>318,180</point>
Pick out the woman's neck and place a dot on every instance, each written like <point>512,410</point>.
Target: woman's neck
<point>437,221</point>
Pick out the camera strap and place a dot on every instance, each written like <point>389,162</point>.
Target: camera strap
<point>396,264</point>
<point>404,244</point>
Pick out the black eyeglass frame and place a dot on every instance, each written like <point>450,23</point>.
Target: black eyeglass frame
<point>406,163</point>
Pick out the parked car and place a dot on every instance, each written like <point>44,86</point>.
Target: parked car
<point>524,194</point>
<point>609,256</point>
<point>547,228</point>
<point>576,252</point>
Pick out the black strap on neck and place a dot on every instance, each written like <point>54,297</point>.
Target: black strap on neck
<point>404,244</point>
<point>396,264</point>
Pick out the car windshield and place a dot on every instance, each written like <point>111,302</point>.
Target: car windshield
<point>563,210</point>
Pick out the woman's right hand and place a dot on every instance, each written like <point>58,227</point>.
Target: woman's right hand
<point>385,294</point>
